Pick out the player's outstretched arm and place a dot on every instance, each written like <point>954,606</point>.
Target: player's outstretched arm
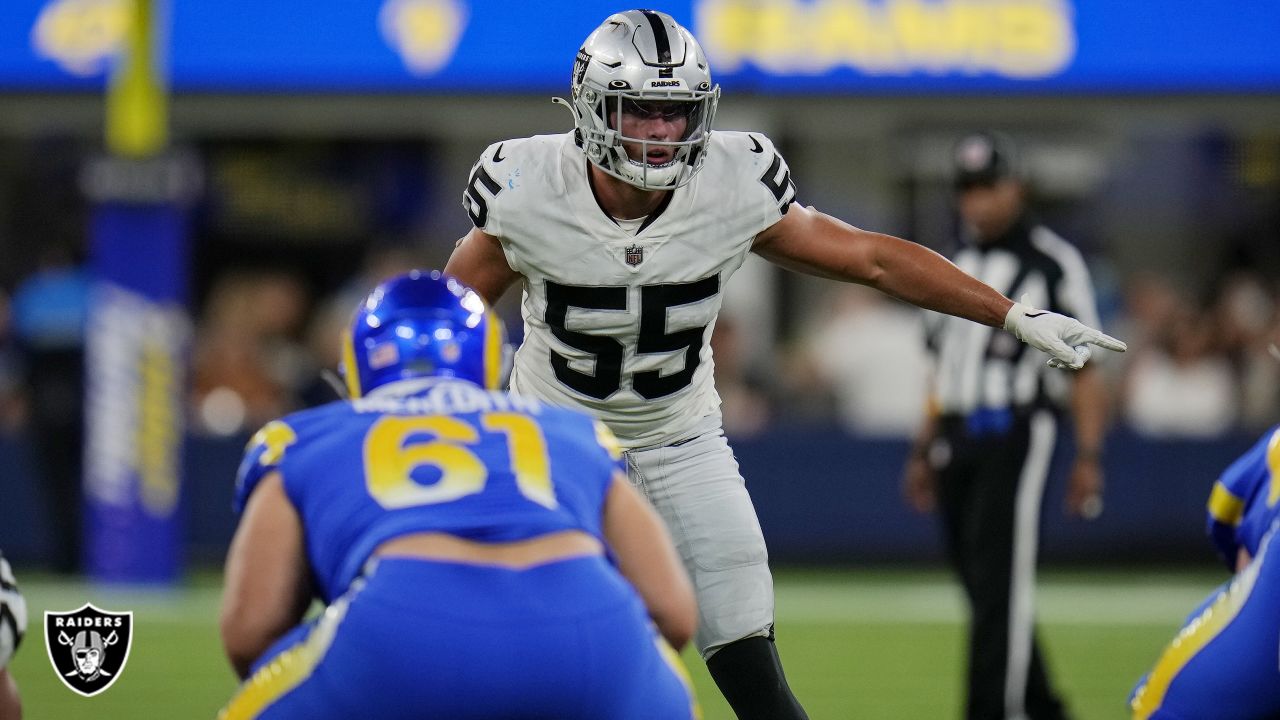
<point>267,585</point>
<point>812,242</point>
<point>478,261</point>
<point>649,560</point>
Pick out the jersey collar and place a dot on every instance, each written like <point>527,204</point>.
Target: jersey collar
<point>649,220</point>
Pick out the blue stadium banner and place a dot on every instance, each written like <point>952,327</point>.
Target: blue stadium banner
<point>137,349</point>
<point>773,46</point>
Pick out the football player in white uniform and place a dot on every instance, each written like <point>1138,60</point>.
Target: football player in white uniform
<point>625,232</point>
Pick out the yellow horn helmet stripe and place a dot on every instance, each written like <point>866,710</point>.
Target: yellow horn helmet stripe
<point>352,374</point>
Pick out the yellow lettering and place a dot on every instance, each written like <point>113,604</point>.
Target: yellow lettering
<point>1018,39</point>
<point>1035,39</point>
<point>839,36</point>
<point>158,429</point>
<point>729,27</point>
<point>394,447</point>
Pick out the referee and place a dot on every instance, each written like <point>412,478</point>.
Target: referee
<point>983,453</point>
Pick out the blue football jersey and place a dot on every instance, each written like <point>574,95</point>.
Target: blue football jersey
<point>439,456</point>
<point>1246,499</point>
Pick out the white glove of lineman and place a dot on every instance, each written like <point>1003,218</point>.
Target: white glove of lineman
<point>1065,339</point>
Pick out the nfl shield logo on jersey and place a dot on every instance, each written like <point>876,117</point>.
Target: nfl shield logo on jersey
<point>88,647</point>
<point>634,255</point>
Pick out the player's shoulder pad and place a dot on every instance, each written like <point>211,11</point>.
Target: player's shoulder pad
<point>268,449</point>
<point>608,441</point>
<point>502,169</point>
<point>263,454</point>
<point>1246,481</point>
<point>1246,477</point>
<point>753,159</point>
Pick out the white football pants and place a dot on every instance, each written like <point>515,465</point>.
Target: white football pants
<point>696,487</point>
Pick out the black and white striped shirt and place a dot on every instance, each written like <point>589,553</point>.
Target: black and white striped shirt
<point>985,368</point>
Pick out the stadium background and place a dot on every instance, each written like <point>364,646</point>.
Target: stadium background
<point>325,147</point>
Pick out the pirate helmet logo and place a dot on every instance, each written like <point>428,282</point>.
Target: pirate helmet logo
<point>88,647</point>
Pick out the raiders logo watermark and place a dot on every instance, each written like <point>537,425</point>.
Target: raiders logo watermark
<point>88,647</point>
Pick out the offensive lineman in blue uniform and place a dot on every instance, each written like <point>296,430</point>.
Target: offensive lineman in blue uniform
<point>1225,663</point>
<point>460,538</point>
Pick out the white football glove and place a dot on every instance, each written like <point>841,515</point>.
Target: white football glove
<point>1065,339</point>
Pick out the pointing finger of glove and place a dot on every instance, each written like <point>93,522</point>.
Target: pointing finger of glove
<point>1107,342</point>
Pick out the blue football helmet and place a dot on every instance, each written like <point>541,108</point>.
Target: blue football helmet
<point>419,325</point>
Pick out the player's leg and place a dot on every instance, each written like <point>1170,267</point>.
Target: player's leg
<point>1223,664</point>
<point>955,488</point>
<point>278,686</point>
<point>1042,700</point>
<point>749,675</point>
<point>1006,679</point>
<point>697,488</point>
<point>1039,698</point>
<point>630,672</point>
<point>970,520</point>
<point>568,640</point>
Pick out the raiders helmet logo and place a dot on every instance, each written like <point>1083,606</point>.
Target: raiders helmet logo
<point>580,66</point>
<point>88,647</point>
<point>633,255</point>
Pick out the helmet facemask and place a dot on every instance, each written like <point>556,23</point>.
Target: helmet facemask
<point>641,64</point>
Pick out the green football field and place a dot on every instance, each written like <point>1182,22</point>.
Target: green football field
<point>856,643</point>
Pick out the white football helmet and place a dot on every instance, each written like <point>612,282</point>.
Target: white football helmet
<point>635,58</point>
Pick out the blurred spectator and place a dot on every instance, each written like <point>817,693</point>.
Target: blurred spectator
<point>1244,314</point>
<point>744,399</point>
<point>12,407</point>
<point>1179,385</point>
<point>48,313</point>
<point>1151,302</point>
<point>333,316</point>
<point>324,343</point>
<point>868,351</point>
<point>248,364</point>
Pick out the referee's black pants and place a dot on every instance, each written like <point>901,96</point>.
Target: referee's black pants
<point>991,490</point>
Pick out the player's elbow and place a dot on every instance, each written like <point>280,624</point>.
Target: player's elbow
<point>677,615</point>
<point>243,640</point>
<point>680,629</point>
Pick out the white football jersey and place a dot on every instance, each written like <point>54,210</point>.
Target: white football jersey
<point>618,322</point>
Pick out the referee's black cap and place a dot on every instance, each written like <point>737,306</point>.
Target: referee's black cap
<point>982,158</point>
